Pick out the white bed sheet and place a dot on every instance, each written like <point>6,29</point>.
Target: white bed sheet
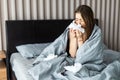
<point>20,66</point>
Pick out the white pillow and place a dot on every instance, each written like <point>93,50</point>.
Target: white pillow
<point>31,50</point>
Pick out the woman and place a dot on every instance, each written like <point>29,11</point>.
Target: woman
<point>84,48</point>
<point>84,17</point>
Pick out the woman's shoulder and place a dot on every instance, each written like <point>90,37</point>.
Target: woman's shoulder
<point>96,32</point>
<point>97,28</point>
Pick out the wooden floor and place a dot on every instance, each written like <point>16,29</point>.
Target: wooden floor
<point>2,71</point>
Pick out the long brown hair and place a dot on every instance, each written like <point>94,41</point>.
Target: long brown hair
<point>88,17</point>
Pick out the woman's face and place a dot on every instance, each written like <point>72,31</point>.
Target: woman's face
<point>79,19</point>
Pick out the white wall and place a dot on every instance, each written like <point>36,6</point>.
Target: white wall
<point>107,11</point>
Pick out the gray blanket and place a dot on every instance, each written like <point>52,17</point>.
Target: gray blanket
<point>90,55</point>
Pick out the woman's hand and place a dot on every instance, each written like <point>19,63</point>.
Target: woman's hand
<point>79,35</point>
<point>76,38</point>
<point>73,43</point>
<point>80,39</point>
<point>72,34</point>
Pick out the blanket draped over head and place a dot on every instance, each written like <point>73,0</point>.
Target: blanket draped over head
<point>90,55</point>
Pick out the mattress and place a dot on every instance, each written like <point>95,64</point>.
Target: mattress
<point>20,66</point>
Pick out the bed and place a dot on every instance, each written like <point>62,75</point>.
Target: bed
<point>22,32</point>
<point>30,31</point>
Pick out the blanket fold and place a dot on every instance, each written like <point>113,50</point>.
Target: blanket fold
<point>89,55</point>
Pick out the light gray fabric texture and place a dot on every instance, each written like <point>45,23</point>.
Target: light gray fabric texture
<point>20,66</point>
<point>90,55</point>
<point>31,50</point>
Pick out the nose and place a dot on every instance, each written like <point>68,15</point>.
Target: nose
<point>78,22</point>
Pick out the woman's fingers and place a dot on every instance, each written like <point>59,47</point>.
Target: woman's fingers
<point>72,33</point>
<point>78,34</point>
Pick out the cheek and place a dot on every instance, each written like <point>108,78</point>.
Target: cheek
<point>83,24</point>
